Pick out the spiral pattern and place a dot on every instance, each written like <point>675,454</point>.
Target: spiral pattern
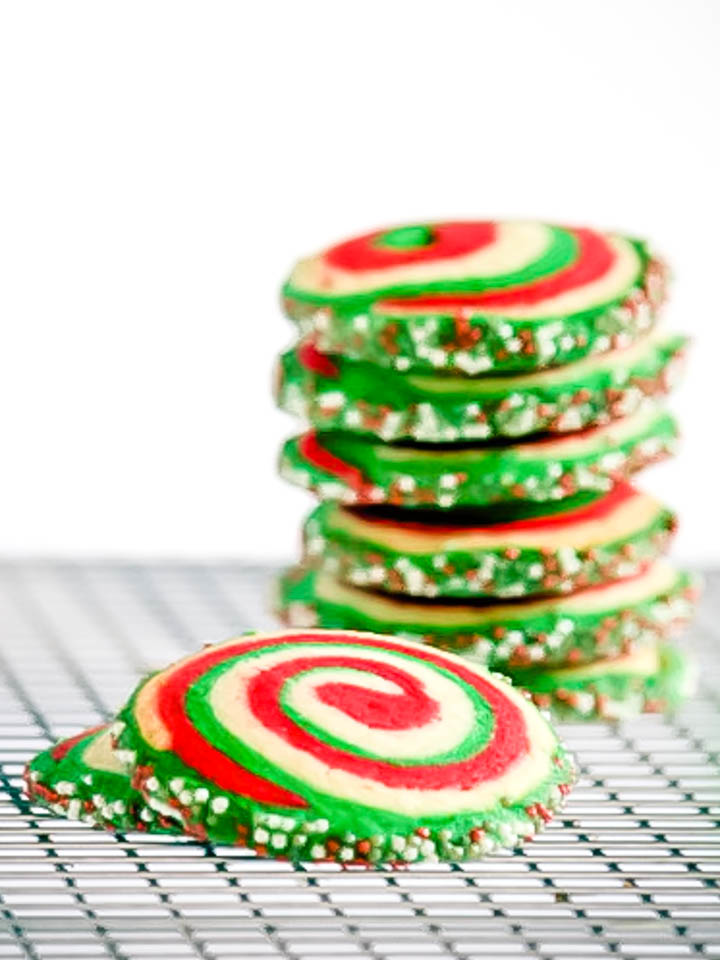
<point>508,268</point>
<point>319,720</point>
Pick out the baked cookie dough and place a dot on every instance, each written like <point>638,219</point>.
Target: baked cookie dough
<point>477,296</point>
<point>519,550</point>
<point>600,621</point>
<point>652,678</point>
<point>356,470</point>
<point>335,393</point>
<point>82,779</point>
<point>331,745</point>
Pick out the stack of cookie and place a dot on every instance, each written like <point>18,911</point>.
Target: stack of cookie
<point>479,395</point>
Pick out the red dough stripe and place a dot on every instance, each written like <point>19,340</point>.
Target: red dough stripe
<point>595,258</point>
<point>62,749</point>
<point>508,741</point>
<point>312,451</point>
<point>316,362</point>
<point>448,240</point>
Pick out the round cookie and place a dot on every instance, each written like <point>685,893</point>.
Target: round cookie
<point>318,745</point>
<point>477,296</point>
<point>599,621</point>
<point>81,778</point>
<point>335,393</point>
<point>520,550</point>
<point>356,470</point>
<point>652,678</point>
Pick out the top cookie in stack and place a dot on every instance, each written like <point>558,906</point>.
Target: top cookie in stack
<point>453,374</point>
<point>477,297</point>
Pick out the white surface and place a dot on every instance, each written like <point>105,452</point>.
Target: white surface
<point>164,163</point>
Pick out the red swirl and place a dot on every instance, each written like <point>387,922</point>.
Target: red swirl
<point>594,259</point>
<point>448,240</point>
<point>508,740</point>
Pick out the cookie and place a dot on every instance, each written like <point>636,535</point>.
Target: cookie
<point>327,745</point>
<point>81,778</point>
<point>477,296</point>
<point>335,393</point>
<point>652,678</point>
<point>599,621</point>
<point>361,471</point>
<point>519,550</point>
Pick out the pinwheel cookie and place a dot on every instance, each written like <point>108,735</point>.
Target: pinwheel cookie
<point>335,393</point>
<point>600,621</point>
<point>356,470</point>
<point>652,678</point>
<point>81,778</point>
<point>519,550</point>
<point>476,296</point>
<point>316,745</point>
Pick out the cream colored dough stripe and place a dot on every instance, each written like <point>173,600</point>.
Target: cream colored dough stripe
<point>99,754</point>
<point>571,374</point>
<point>632,515</point>
<point>643,661</point>
<point>565,445</point>
<point>658,578</point>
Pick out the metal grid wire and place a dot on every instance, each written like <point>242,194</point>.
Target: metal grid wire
<point>630,870</point>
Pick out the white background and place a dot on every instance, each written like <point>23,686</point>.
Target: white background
<point>164,163</point>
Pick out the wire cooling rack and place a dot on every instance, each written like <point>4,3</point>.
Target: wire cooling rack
<point>629,870</point>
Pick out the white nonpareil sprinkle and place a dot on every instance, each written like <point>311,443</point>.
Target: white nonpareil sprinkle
<point>448,481</point>
<point>219,804</point>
